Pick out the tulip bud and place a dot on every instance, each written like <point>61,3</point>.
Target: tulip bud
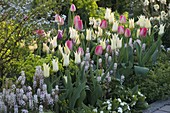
<point>55,65</point>
<point>88,34</point>
<point>72,8</point>
<point>122,19</point>
<point>69,44</point>
<point>80,50</point>
<point>98,50</point>
<point>161,29</point>
<point>46,70</point>
<point>127,33</point>
<point>121,30</point>
<point>143,32</point>
<point>66,59</point>
<point>108,49</point>
<point>77,57</point>
<point>131,23</point>
<point>60,34</point>
<point>103,24</point>
<point>115,26</point>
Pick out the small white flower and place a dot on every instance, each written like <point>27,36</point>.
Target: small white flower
<point>120,110</point>
<point>95,110</point>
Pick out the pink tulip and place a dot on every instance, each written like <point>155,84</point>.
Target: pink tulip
<point>79,25</point>
<point>121,30</point>
<point>122,19</point>
<point>127,33</point>
<point>69,44</point>
<point>143,32</point>
<point>99,50</point>
<point>103,24</point>
<point>80,50</point>
<point>108,49</point>
<point>59,20</point>
<point>40,32</point>
<point>60,34</point>
<point>72,8</point>
<point>76,18</point>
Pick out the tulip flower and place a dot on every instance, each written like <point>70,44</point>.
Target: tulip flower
<point>79,25</point>
<point>119,43</point>
<point>72,8</point>
<point>98,50</point>
<point>76,18</point>
<point>69,44</point>
<point>131,23</point>
<point>127,33</point>
<point>121,30</point>
<point>66,59</point>
<point>55,65</point>
<point>112,18</point>
<point>77,57</point>
<point>88,34</point>
<point>73,33</point>
<point>147,23</point>
<point>115,26</point>
<point>46,70</point>
<point>137,33</point>
<point>54,42</point>
<point>107,13</point>
<point>100,32</point>
<point>122,19</point>
<point>143,32</point>
<point>40,32</point>
<point>161,29</point>
<point>103,24</point>
<point>60,34</point>
<point>80,50</point>
<point>103,44</point>
<point>45,48</point>
<point>59,20</point>
<point>113,41</point>
<point>141,21</point>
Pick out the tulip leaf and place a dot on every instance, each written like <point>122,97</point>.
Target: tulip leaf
<point>141,70</point>
<point>138,52</point>
<point>76,92</point>
<point>150,52</point>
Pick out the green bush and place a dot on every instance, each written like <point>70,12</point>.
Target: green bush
<point>155,86</point>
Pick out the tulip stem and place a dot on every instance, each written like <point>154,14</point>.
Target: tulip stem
<point>97,62</point>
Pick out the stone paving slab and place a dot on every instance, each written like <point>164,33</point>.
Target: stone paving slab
<point>154,107</point>
<point>160,111</point>
<point>165,108</point>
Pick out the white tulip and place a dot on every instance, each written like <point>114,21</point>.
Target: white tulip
<point>103,44</point>
<point>77,57</point>
<point>131,23</point>
<point>88,34</point>
<point>161,29</point>
<point>113,42</point>
<point>55,65</point>
<point>46,70</point>
<point>115,26</point>
<point>66,59</point>
<point>107,13</point>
